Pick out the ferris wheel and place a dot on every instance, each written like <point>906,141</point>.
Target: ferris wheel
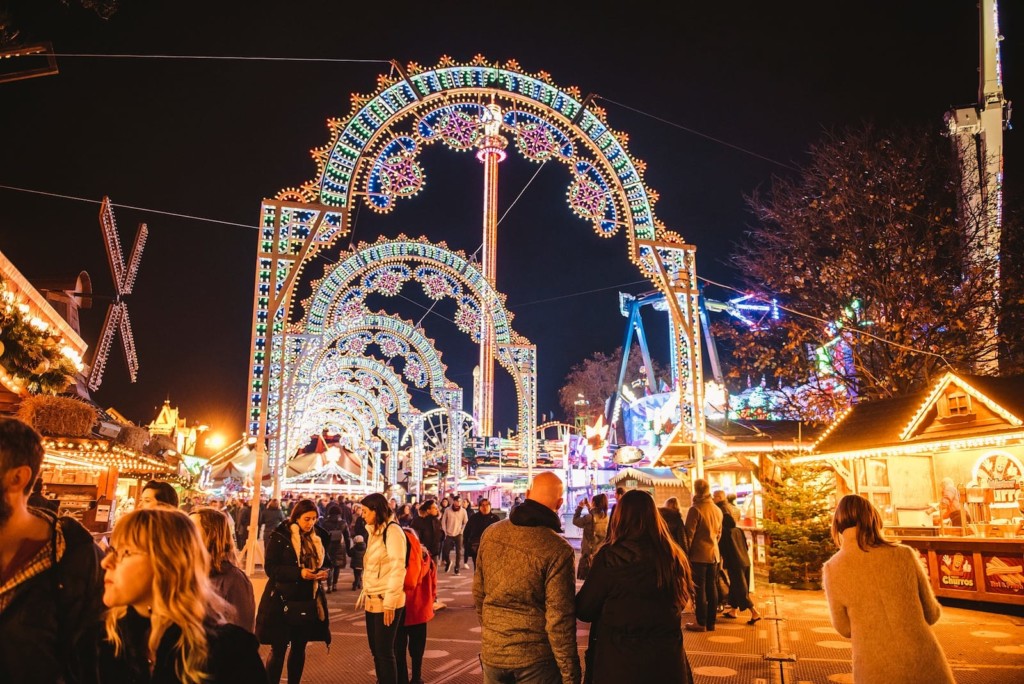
<point>437,430</point>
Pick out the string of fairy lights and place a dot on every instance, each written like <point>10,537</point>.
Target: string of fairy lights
<point>428,310</point>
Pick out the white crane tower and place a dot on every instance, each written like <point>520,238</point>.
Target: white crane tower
<point>977,132</point>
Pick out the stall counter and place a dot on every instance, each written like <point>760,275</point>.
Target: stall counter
<point>973,568</point>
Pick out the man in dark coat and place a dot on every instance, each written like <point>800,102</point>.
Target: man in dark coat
<point>673,518</point>
<point>478,522</point>
<point>428,527</point>
<point>51,586</point>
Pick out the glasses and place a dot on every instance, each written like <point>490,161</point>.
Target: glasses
<point>117,556</point>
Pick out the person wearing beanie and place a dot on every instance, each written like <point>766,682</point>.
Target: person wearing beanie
<point>356,553</point>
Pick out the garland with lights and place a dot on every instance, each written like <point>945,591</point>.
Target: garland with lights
<point>31,354</point>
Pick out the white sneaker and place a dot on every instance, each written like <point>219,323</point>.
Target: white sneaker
<point>466,566</point>
<point>440,605</point>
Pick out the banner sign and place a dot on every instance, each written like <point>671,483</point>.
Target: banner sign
<point>1004,574</point>
<point>956,571</point>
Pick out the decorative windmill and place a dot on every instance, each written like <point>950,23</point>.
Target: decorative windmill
<point>117,313</point>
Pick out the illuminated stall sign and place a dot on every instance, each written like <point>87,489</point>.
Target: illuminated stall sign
<point>956,571</point>
<point>1004,574</point>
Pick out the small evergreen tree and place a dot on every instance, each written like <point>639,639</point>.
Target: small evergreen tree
<point>798,523</point>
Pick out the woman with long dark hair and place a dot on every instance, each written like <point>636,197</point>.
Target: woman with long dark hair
<point>383,595</point>
<point>879,596</point>
<point>166,623</point>
<point>293,608</point>
<point>638,587</point>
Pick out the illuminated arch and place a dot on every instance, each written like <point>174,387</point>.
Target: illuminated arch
<point>372,153</point>
<point>383,268</point>
<point>366,372</point>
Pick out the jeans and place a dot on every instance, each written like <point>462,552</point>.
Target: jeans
<point>413,638</point>
<point>705,581</point>
<point>382,645</point>
<point>296,662</point>
<point>449,542</point>
<point>538,673</point>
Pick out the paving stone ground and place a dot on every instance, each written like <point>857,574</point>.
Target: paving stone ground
<point>983,647</point>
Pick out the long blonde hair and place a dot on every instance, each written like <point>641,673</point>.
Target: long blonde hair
<point>182,594</point>
<point>220,544</point>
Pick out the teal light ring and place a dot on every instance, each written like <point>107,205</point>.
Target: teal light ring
<point>369,402</point>
<point>335,363</point>
<point>379,194</point>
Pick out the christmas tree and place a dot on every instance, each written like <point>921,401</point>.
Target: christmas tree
<point>799,503</point>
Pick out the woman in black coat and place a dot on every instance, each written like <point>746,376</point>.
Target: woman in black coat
<point>296,563</point>
<point>736,561</point>
<point>635,594</point>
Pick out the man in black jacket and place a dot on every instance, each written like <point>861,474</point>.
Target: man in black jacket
<point>51,587</point>
<point>428,528</point>
<point>478,522</point>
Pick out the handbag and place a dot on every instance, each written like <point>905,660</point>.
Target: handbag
<point>300,613</point>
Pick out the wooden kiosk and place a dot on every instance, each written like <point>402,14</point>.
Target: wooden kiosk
<point>896,452</point>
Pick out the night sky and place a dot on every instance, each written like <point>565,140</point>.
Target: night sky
<point>716,98</point>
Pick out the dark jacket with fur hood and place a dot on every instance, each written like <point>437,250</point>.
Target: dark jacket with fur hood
<point>285,583</point>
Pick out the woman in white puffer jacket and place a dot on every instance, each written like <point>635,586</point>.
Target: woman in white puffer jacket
<point>383,595</point>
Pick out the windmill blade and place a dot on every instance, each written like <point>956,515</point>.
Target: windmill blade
<point>99,361</point>
<point>128,340</point>
<point>113,243</point>
<point>125,288</point>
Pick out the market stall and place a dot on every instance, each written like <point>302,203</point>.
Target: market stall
<point>660,483</point>
<point>967,431</point>
<point>95,480</point>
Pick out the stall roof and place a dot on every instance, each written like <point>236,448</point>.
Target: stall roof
<point>885,423</point>
<point>648,476</point>
<point>103,453</point>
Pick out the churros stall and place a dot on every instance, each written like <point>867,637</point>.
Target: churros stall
<point>945,467</point>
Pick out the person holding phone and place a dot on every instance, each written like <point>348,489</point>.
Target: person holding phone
<point>296,563</point>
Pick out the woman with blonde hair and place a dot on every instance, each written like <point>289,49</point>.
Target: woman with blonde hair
<point>230,583</point>
<point>879,595</point>
<point>165,623</point>
<point>638,587</point>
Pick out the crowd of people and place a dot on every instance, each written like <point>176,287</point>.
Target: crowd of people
<point>166,601</point>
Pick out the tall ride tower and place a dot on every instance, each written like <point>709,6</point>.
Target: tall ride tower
<point>977,133</point>
<point>491,153</point>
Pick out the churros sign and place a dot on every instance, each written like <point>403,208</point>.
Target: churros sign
<point>956,571</point>
<point>1004,574</point>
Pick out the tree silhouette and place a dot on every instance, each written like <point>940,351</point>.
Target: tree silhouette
<point>869,248</point>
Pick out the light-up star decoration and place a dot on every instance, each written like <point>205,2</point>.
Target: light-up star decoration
<point>595,439</point>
